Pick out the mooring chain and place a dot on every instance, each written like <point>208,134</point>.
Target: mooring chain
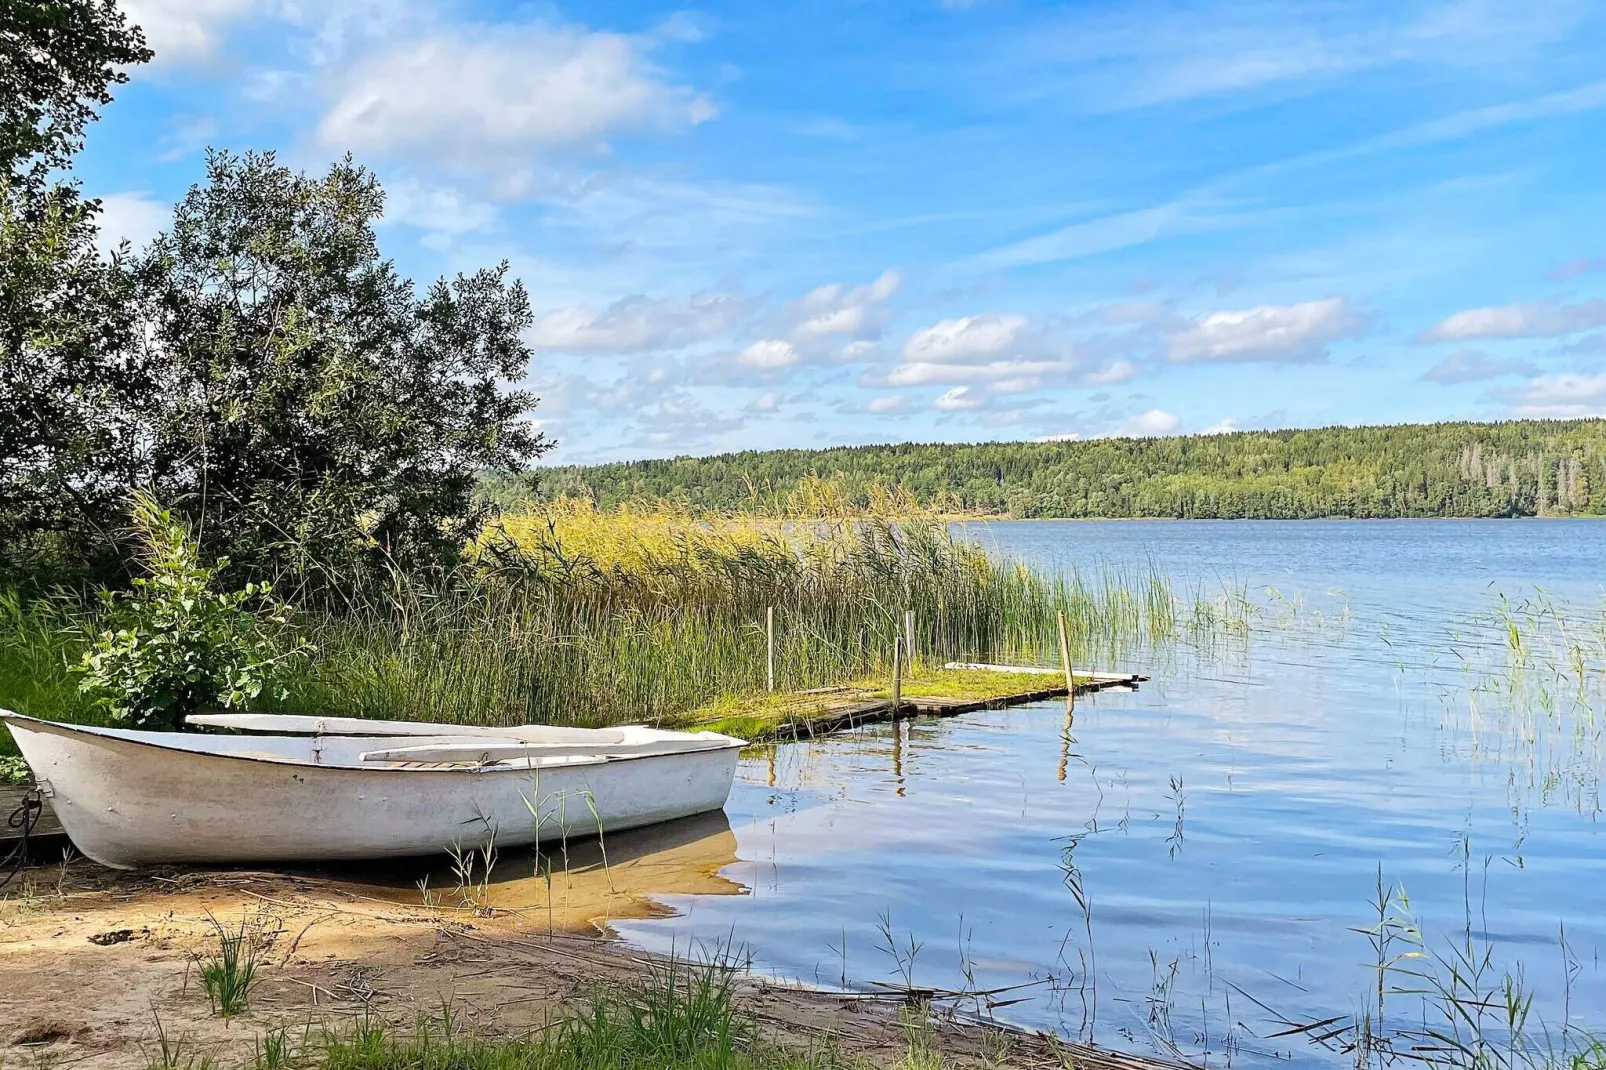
<point>25,818</point>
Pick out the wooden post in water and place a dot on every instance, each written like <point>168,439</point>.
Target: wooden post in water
<point>769,629</point>
<point>1065,663</point>
<point>909,636</point>
<point>897,676</point>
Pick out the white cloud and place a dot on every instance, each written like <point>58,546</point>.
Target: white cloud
<point>958,340</point>
<point>184,31</point>
<point>959,399</point>
<point>888,403</point>
<point>1564,396</point>
<point>1016,375</point>
<point>765,403</point>
<point>637,324</point>
<point>998,351</point>
<point>855,312</point>
<point>1470,366</point>
<point>1114,373</point>
<point>1536,319</point>
<point>1225,426</point>
<point>1276,333</point>
<point>439,209</point>
<point>768,354</point>
<point>678,422</point>
<point>133,215</point>
<point>476,95</point>
<point>1147,424</point>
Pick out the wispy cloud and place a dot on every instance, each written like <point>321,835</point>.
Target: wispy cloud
<point>640,324</point>
<point>1105,234</point>
<point>1155,52</point>
<point>1470,366</point>
<point>1576,268</point>
<point>1534,319</point>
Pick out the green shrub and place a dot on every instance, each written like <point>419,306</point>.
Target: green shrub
<point>174,644</point>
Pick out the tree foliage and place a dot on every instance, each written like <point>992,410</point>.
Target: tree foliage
<point>69,380</point>
<point>1514,468</point>
<point>58,62</point>
<point>311,401</point>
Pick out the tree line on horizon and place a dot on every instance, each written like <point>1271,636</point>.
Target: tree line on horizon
<point>1504,469</point>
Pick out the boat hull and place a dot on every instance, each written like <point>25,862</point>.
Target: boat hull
<point>126,802</point>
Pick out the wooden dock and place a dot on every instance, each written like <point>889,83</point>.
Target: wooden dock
<point>827,710</point>
<point>10,799</point>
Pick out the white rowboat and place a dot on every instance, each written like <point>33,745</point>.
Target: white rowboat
<point>360,789</point>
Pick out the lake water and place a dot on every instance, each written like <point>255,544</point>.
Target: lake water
<point>1184,864</point>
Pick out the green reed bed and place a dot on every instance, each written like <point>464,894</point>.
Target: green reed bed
<point>543,638</point>
<point>588,619</point>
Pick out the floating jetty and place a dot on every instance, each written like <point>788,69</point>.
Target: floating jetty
<point>822,711</point>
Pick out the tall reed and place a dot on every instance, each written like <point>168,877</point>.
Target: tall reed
<point>575,616</point>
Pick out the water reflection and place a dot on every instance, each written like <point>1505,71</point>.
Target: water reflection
<point>1221,831</point>
<point>584,882</point>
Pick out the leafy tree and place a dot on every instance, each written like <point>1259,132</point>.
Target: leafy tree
<point>58,62</point>
<point>315,406</point>
<point>67,382</point>
<point>175,643</point>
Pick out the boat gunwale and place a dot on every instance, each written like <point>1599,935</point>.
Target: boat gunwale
<point>100,733</point>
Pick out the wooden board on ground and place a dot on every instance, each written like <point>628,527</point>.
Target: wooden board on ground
<point>10,799</point>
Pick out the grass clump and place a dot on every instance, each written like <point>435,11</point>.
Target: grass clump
<point>228,973</point>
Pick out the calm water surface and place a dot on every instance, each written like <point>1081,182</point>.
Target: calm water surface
<point>1215,835</point>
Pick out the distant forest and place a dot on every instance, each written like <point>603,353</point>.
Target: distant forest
<point>1507,469</point>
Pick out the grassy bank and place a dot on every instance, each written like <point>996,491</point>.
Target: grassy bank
<point>573,616</point>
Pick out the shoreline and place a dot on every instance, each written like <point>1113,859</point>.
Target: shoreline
<point>93,962</point>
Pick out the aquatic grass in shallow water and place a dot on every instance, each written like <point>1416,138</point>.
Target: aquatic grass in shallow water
<point>1526,690</point>
<point>1462,1009</point>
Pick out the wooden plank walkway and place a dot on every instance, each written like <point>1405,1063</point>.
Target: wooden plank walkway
<point>10,799</point>
<point>839,709</point>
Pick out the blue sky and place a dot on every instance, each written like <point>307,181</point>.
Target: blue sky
<point>804,224</point>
